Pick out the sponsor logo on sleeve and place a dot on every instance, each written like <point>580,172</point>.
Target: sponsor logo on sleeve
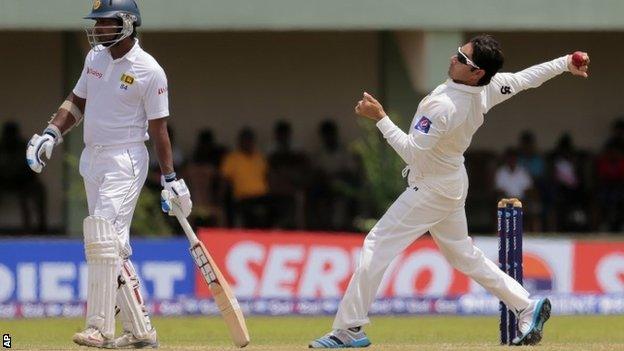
<point>505,89</point>
<point>423,125</point>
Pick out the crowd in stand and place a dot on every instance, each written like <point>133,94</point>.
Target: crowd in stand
<point>563,190</point>
<point>566,189</point>
<point>284,188</point>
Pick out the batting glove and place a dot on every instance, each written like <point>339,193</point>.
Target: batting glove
<point>176,193</point>
<point>40,144</point>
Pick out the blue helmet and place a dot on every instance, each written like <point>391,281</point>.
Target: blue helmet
<point>125,11</point>
<point>114,9</point>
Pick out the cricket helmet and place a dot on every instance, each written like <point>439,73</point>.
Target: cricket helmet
<point>125,11</point>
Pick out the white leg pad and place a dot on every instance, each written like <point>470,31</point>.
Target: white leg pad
<point>103,262</point>
<point>132,311</point>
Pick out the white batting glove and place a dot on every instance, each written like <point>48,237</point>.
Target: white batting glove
<point>37,146</point>
<point>40,144</point>
<point>176,193</point>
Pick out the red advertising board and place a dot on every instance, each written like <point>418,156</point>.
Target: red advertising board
<point>262,264</point>
<point>599,267</point>
<point>319,265</point>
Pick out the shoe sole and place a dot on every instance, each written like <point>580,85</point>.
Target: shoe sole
<point>86,342</point>
<point>534,336</point>
<point>145,345</point>
<point>139,344</point>
<point>361,343</point>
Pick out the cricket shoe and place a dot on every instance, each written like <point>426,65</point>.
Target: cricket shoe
<point>129,341</point>
<point>92,337</point>
<point>531,322</point>
<point>341,338</point>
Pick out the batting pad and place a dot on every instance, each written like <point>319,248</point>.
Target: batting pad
<point>132,311</point>
<point>103,262</point>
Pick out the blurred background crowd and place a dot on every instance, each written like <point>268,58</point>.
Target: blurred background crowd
<point>280,185</point>
<point>261,99</point>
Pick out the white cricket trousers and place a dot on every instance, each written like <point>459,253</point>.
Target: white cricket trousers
<point>113,178</point>
<point>414,213</point>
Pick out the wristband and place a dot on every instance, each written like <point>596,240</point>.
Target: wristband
<point>170,177</point>
<point>54,132</point>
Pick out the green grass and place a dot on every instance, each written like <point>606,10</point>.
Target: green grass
<point>293,333</point>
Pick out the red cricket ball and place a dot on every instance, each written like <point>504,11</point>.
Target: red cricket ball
<point>578,59</point>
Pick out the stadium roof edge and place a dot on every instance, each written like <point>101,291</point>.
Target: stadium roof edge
<point>440,15</point>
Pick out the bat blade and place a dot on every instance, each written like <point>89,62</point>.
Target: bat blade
<point>223,295</point>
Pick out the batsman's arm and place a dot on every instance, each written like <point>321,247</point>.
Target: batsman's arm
<point>162,144</point>
<point>505,85</point>
<point>69,114</point>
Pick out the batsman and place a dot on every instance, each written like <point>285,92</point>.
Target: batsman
<point>122,96</point>
<point>434,201</point>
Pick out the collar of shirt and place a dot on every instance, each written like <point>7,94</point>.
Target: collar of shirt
<point>130,55</point>
<point>463,87</point>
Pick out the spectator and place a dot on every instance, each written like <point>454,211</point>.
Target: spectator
<point>287,179</point>
<point>511,179</point>
<point>205,181</point>
<point>529,158</point>
<point>534,163</point>
<point>246,171</point>
<point>568,187</point>
<point>207,151</point>
<point>617,135</point>
<point>22,182</point>
<point>610,187</point>
<point>333,203</point>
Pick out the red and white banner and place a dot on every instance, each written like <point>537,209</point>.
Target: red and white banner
<point>598,267</point>
<point>319,265</point>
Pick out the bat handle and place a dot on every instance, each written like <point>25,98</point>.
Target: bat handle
<point>190,234</point>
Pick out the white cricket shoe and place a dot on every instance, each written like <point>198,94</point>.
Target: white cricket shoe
<point>129,341</point>
<point>531,322</point>
<point>341,338</point>
<point>93,338</point>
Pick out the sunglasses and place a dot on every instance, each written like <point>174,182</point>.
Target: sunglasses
<point>462,58</point>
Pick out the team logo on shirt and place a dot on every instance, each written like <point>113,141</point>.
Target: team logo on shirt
<point>126,80</point>
<point>97,4</point>
<point>505,89</point>
<point>423,125</point>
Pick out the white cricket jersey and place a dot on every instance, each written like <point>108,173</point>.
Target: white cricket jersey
<point>446,120</point>
<point>122,95</point>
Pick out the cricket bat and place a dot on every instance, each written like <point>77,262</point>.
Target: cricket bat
<point>219,287</point>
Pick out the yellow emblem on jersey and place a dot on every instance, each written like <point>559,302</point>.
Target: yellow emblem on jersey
<point>127,79</point>
<point>97,4</point>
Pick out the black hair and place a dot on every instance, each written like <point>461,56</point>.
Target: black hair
<point>527,136</point>
<point>328,126</point>
<point>246,133</point>
<point>282,127</point>
<point>488,55</point>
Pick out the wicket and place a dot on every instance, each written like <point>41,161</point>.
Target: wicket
<point>509,216</point>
